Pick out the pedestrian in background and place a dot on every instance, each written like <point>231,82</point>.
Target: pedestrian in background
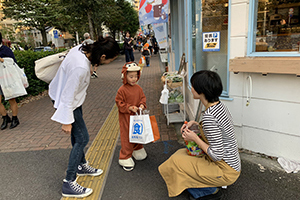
<point>146,53</point>
<point>128,47</point>
<point>88,40</point>
<point>7,52</point>
<point>129,99</point>
<point>221,164</point>
<point>68,90</point>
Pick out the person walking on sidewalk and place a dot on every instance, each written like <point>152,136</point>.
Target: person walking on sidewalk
<point>130,98</point>
<point>220,165</point>
<point>128,47</point>
<point>7,52</point>
<point>88,40</point>
<point>68,90</point>
<point>146,53</point>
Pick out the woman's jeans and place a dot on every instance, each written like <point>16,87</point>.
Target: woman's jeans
<point>129,55</point>
<point>201,192</point>
<point>79,139</point>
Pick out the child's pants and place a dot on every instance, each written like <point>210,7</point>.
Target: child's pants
<point>126,147</point>
<point>147,61</point>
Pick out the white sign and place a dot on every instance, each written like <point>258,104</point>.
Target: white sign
<point>211,41</point>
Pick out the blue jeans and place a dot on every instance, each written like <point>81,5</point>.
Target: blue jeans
<point>129,55</point>
<point>79,139</point>
<point>201,192</point>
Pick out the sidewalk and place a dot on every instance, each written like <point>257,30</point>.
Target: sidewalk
<point>34,155</point>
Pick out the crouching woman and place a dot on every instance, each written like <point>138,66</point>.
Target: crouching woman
<point>220,165</point>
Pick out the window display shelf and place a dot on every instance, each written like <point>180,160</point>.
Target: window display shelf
<point>175,111</point>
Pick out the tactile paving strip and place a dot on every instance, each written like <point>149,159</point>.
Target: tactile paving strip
<point>99,155</point>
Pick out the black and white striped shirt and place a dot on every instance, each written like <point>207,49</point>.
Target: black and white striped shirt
<point>219,131</point>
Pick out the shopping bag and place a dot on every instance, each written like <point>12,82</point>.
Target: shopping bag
<point>140,129</point>
<point>46,68</point>
<point>10,81</point>
<point>155,129</point>
<point>22,75</point>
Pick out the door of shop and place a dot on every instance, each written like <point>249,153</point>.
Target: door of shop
<point>210,37</point>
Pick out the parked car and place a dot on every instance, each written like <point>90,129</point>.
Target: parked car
<point>47,48</point>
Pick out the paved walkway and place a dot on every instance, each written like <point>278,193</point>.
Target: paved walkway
<point>37,133</point>
<point>34,156</point>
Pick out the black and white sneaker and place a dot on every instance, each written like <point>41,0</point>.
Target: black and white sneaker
<point>73,189</point>
<point>95,74</point>
<point>86,170</point>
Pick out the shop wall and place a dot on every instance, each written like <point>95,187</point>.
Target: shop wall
<point>270,123</point>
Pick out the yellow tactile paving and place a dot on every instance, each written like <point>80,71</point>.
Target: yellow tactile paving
<point>100,153</point>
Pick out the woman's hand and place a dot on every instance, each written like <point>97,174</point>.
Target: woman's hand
<point>187,125</point>
<point>66,128</point>
<point>189,135</point>
<point>1,60</point>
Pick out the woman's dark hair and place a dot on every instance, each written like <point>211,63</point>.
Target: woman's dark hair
<point>103,46</point>
<point>208,83</point>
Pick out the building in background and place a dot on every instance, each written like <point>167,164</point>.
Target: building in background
<point>254,47</point>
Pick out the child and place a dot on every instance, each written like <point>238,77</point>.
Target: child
<point>146,53</point>
<point>130,98</point>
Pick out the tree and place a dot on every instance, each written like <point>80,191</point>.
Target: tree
<point>39,14</point>
<point>89,13</point>
<point>122,17</point>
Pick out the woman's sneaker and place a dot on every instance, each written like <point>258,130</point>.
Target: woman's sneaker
<point>86,170</point>
<point>73,189</point>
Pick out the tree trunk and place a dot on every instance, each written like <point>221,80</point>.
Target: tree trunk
<point>44,36</point>
<point>89,14</point>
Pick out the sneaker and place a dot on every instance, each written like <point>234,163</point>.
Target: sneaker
<point>73,189</point>
<point>127,164</point>
<point>95,74</point>
<point>86,170</point>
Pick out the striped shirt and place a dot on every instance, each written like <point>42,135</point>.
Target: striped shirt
<point>219,131</point>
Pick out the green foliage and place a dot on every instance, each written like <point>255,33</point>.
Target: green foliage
<point>122,17</point>
<point>34,14</point>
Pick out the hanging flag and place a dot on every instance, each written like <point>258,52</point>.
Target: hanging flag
<point>153,11</point>
<point>161,35</point>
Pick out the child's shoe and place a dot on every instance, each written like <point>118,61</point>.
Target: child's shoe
<point>73,189</point>
<point>139,154</point>
<point>86,170</point>
<point>127,164</point>
<point>148,65</point>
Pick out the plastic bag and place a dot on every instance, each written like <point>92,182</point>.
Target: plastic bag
<point>164,95</point>
<point>10,81</point>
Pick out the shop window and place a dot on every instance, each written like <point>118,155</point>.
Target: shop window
<point>276,26</point>
<point>210,17</point>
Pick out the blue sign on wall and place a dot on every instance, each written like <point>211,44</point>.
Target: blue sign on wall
<point>55,33</point>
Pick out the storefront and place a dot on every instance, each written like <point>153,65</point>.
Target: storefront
<point>254,47</point>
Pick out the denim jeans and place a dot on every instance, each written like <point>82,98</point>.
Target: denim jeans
<point>79,139</point>
<point>129,55</point>
<point>201,192</point>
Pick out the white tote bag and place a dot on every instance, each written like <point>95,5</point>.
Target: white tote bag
<point>46,68</point>
<point>10,81</point>
<point>140,130</point>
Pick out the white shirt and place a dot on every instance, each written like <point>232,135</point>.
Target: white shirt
<point>68,87</point>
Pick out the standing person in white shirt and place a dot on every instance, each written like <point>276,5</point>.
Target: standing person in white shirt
<point>68,91</point>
